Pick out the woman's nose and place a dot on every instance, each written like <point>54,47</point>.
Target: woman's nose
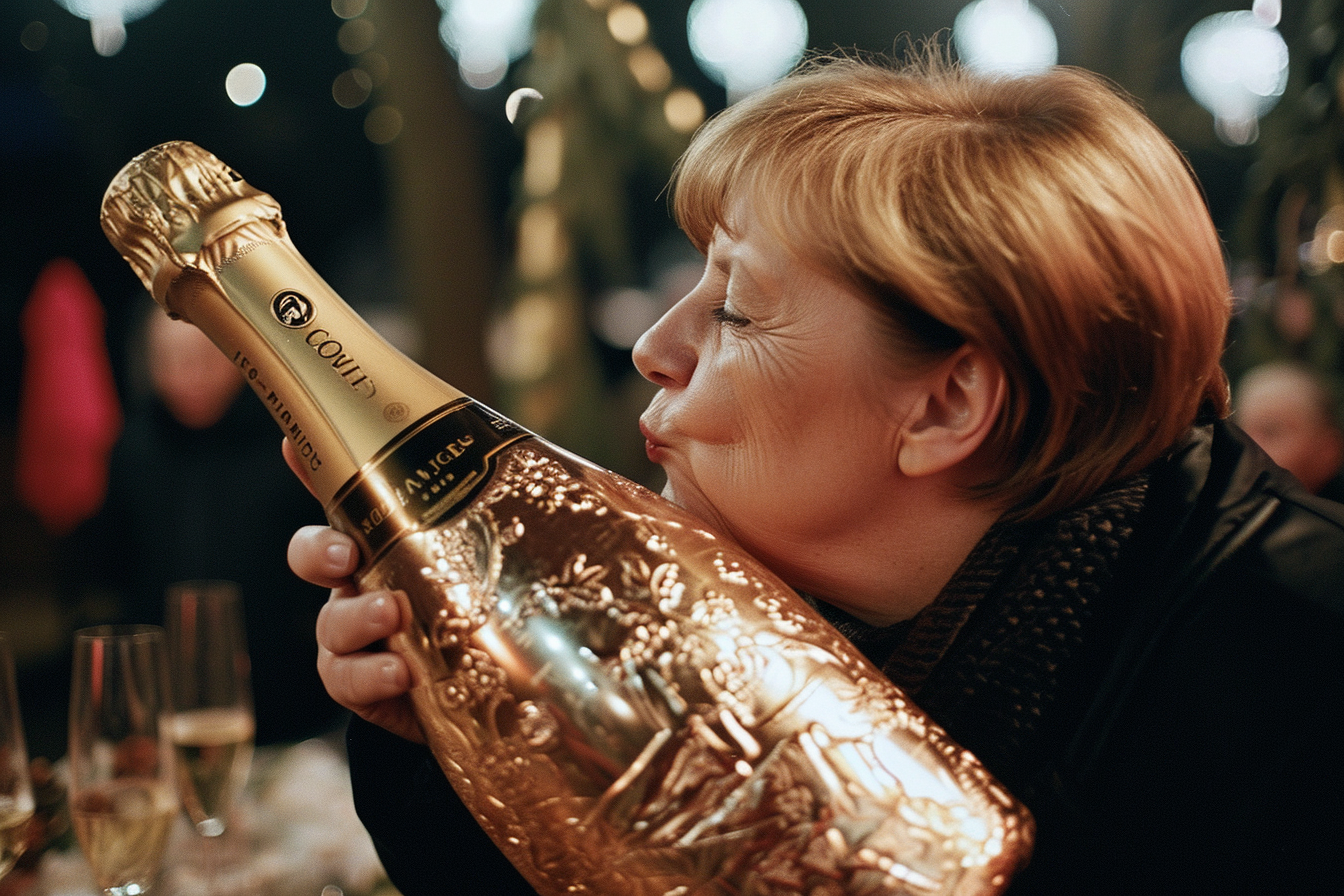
<point>663,355</point>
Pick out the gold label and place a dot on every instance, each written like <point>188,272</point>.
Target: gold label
<point>431,471</point>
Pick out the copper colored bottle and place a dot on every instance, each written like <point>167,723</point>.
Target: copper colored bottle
<point>628,703</point>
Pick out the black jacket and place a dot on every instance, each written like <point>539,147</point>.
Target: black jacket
<point>1205,754</point>
<point>1193,746</point>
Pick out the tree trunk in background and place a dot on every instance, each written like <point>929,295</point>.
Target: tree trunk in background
<point>440,222</point>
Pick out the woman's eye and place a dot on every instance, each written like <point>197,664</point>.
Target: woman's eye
<point>724,316</point>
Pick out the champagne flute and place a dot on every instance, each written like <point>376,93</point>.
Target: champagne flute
<point>16,787</point>
<point>213,722</point>
<point>123,794</point>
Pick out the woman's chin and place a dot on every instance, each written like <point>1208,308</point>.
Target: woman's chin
<point>697,505</point>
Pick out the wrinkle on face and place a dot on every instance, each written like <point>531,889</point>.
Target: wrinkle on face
<point>786,420</point>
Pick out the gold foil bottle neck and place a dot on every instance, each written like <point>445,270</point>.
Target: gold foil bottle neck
<point>171,204</point>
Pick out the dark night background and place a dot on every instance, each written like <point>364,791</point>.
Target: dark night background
<point>70,119</point>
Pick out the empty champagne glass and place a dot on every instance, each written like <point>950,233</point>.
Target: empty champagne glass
<point>123,793</point>
<point>213,722</point>
<point>16,788</point>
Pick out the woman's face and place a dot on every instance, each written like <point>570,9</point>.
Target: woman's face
<point>779,400</point>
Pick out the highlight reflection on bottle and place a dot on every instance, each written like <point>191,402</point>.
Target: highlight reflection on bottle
<point>627,702</point>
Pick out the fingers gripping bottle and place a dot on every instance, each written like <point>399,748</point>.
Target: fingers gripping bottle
<point>627,702</point>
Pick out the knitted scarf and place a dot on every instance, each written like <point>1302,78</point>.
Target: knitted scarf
<point>997,656</point>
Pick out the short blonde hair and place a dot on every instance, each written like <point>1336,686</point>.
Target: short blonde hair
<point>1044,218</point>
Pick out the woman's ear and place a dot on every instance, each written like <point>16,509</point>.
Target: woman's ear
<point>961,401</point>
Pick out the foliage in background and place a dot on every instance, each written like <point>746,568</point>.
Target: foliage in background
<point>1291,232</point>
<point>598,150</point>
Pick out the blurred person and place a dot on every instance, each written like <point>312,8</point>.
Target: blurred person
<point>952,371</point>
<point>1289,410</point>
<point>194,381</point>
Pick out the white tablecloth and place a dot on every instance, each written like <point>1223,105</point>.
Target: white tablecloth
<point>294,833</point>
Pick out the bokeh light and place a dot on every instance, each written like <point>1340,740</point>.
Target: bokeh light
<point>245,84</point>
<point>649,68</point>
<point>34,36</point>
<point>520,99</point>
<point>1269,12</point>
<point>744,45</point>
<point>519,345</point>
<point>627,23</point>
<point>621,316</point>
<point>124,10</point>
<point>485,36</point>
<point>356,36</point>
<point>683,109</point>
<point>349,9</point>
<point>1009,37</point>
<point>544,161</point>
<point>383,124</point>
<point>1235,65</point>
<point>351,88</point>
<point>543,244</point>
<point>108,19</point>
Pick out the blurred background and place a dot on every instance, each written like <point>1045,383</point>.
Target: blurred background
<point>483,179</point>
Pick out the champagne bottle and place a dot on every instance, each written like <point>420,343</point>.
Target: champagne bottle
<point>627,702</point>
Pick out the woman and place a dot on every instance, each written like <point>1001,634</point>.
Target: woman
<point>952,372</point>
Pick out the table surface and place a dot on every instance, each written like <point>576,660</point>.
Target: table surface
<point>294,832</point>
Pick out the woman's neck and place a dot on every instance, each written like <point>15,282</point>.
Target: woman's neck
<point>893,564</point>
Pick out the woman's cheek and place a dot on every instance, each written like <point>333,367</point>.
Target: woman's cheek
<point>740,481</point>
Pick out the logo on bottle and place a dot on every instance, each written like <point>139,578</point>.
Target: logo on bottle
<point>296,311</point>
<point>292,309</point>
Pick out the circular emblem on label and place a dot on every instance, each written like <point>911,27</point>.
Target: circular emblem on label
<point>395,412</point>
<point>293,309</point>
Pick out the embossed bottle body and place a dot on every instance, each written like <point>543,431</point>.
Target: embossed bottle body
<point>627,703</point>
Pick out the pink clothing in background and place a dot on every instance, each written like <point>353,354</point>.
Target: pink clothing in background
<point>69,413</point>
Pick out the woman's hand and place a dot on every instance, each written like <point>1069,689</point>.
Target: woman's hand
<point>357,669</point>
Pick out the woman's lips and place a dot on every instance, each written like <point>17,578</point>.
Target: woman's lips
<point>655,449</point>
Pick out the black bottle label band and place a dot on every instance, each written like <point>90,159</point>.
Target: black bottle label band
<point>431,471</point>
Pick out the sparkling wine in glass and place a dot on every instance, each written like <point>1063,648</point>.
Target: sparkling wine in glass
<point>16,788</point>
<point>123,793</point>
<point>213,722</point>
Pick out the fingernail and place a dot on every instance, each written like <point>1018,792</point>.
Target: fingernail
<point>339,554</point>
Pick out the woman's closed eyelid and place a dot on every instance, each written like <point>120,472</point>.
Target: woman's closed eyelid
<point>724,316</point>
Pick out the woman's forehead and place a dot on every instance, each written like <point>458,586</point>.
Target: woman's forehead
<point>764,211</point>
